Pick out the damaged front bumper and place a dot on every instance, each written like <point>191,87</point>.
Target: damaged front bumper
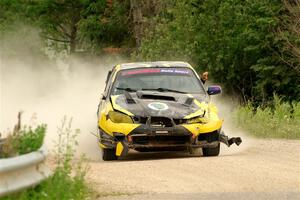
<point>168,138</point>
<point>229,141</point>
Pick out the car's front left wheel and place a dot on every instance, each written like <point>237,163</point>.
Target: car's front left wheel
<point>109,154</point>
<point>211,137</point>
<point>211,151</point>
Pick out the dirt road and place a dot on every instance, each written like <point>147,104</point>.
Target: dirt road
<point>264,169</point>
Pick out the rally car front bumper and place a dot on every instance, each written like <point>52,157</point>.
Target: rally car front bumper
<point>150,138</point>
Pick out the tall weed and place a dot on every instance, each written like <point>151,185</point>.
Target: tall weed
<point>23,139</point>
<point>279,120</point>
<point>68,180</point>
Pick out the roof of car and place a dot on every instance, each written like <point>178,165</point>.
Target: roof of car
<point>154,64</point>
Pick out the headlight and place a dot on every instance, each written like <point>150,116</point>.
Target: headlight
<point>118,117</point>
<point>202,120</point>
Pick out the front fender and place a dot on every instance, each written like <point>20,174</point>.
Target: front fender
<point>199,128</point>
<point>110,127</point>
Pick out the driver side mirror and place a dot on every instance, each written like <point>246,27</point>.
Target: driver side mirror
<point>214,89</point>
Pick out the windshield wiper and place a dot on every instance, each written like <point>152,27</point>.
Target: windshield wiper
<point>164,90</point>
<point>126,89</point>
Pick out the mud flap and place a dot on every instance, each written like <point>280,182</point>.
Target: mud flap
<point>229,141</point>
<point>122,148</point>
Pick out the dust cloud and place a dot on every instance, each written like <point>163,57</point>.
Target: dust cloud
<point>226,106</point>
<point>47,90</point>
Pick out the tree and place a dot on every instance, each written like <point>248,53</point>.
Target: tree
<point>171,34</point>
<point>290,33</point>
<point>237,41</point>
<point>60,19</point>
<point>112,28</point>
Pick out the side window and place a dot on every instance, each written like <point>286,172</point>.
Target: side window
<point>108,81</point>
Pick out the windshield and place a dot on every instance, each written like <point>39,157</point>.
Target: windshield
<point>181,80</point>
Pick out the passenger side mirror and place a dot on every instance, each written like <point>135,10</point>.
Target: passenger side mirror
<point>214,89</point>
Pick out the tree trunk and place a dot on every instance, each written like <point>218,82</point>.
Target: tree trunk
<point>136,10</point>
<point>73,41</point>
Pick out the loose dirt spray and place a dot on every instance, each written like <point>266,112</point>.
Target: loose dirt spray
<point>226,106</point>
<point>46,91</point>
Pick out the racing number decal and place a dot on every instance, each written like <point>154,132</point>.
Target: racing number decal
<point>158,106</point>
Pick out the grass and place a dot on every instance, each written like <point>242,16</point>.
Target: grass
<point>22,140</point>
<point>30,139</point>
<point>279,120</point>
<point>68,181</point>
<point>60,186</point>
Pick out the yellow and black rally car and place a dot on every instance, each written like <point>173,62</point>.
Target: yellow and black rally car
<point>158,106</point>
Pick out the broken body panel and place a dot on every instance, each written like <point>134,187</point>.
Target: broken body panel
<point>149,120</point>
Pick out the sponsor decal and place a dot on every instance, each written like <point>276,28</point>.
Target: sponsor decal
<point>140,71</point>
<point>176,71</point>
<point>161,132</point>
<point>158,106</point>
<point>158,70</point>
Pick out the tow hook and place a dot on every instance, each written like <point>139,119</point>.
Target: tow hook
<point>229,141</point>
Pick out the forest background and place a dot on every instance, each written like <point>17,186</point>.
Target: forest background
<point>251,47</point>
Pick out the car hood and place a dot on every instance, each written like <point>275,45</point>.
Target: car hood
<point>160,104</point>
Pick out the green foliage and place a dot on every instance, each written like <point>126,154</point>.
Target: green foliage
<point>279,121</point>
<point>109,28</point>
<point>81,24</point>
<point>29,139</point>
<point>70,24</point>
<point>23,141</point>
<point>68,180</point>
<point>18,38</point>
<point>10,12</point>
<point>237,41</point>
<point>59,186</point>
<point>173,37</point>
<point>251,47</point>
<point>66,145</point>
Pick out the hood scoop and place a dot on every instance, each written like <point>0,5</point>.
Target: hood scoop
<point>157,97</point>
<point>153,95</point>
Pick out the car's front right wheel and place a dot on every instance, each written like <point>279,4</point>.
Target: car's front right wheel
<point>109,154</point>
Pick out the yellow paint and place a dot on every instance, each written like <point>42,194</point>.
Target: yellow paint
<point>109,127</point>
<point>197,129</point>
<point>119,108</point>
<point>213,107</point>
<point>102,146</point>
<point>119,149</point>
<point>213,112</point>
<point>117,68</point>
<point>166,65</point>
<point>124,128</point>
<point>195,114</point>
<point>202,107</point>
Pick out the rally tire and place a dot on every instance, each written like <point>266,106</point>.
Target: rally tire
<point>109,154</point>
<point>211,151</point>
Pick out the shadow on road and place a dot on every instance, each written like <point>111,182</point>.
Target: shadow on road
<point>141,156</point>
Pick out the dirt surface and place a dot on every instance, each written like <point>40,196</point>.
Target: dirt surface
<point>259,169</point>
